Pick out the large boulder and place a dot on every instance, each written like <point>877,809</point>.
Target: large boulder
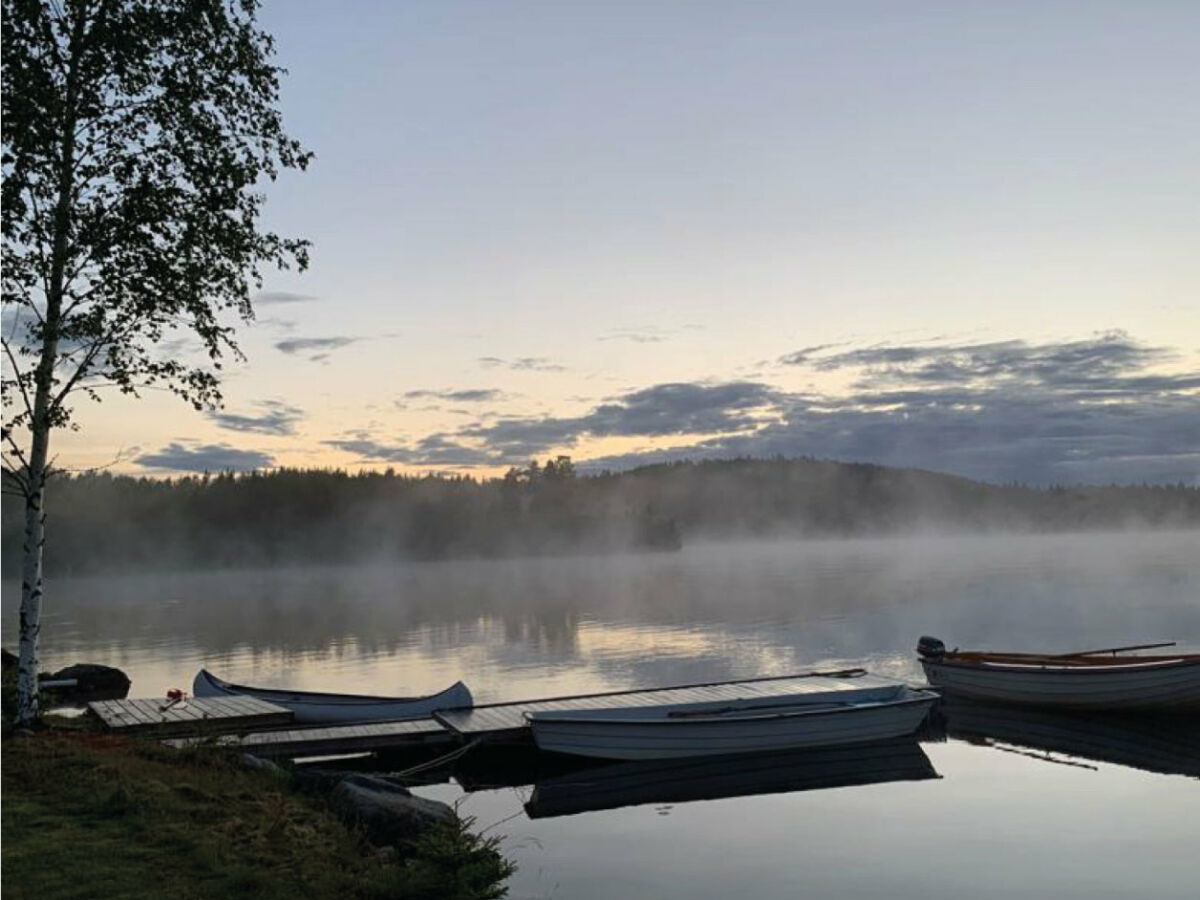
<point>388,812</point>
<point>91,682</point>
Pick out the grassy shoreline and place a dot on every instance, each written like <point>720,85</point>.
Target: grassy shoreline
<point>86,814</point>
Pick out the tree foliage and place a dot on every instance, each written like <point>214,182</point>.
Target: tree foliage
<point>136,138</point>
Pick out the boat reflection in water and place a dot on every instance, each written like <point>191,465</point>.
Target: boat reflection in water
<point>1168,744</point>
<point>564,785</point>
<point>715,778</point>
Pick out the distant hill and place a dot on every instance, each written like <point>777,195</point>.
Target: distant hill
<point>102,521</point>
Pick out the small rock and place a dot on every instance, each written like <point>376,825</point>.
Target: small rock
<point>390,814</point>
<point>257,763</point>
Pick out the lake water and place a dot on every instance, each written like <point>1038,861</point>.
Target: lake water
<point>1002,820</point>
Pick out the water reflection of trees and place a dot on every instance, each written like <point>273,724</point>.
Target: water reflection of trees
<point>711,612</point>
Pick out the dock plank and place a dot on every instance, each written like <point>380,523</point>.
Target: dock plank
<point>143,716</point>
<point>333,739</point>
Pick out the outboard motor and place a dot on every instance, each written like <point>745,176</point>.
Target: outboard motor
<point>930,647</point>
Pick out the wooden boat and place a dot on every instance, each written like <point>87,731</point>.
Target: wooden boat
<point>1090,679</point>
<point>614,785</point>
<point>820,719</point>
<point>310,707</point>
<point>1167,744</point>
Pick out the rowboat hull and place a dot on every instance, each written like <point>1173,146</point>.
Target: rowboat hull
<point>315,708</point>
<point>1125,687</point>
<point>641,734</point>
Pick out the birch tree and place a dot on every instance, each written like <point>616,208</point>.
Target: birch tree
<point>137,137</point>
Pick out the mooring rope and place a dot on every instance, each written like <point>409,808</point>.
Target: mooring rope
<point>454,754</point>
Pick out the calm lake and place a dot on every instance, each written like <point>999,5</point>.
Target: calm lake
<point>1004,819</point>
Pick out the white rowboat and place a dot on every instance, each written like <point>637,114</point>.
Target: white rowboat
<point>310,707</point>
<point>784,723</point>
<point>1086,680</point>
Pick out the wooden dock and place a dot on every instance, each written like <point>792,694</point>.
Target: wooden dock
<point>211,715</point>
<point>494,722</point>
<point>332,740</point>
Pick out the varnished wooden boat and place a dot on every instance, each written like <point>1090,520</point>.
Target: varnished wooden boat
<point>1114,678</point>
<point>311,707</point>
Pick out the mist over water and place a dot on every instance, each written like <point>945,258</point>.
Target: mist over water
<point>518,628</point>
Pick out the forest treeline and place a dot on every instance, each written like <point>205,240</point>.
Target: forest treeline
<point>102,521</point>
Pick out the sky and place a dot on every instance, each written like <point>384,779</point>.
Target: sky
<point>959,237</point>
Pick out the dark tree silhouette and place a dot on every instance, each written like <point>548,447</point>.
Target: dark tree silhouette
<point>104,521</point>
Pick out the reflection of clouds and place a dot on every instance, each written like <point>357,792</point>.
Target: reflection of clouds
<point>527,628</point>
<point>621,640</point>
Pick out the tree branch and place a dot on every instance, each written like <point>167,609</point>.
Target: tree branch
<point>82,368</point>
<point>12,361</point>
<point>9,471</point>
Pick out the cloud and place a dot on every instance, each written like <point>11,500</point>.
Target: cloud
<point>179,457</point>
<point>278,298</point>
<point>804,355</point>
<point>636,335</point>
<point>1083,364</point>
<point>293,346</point>
<point>994,435</point>
<point>522,364</point>
<point>665,409</point>
<point>471,395</point>
<point>1096,410</point>
<point>435,449</point>
<point>646,334</point>
<point>277,323</point>
<point>1070,412</point>
<point>277,418</point>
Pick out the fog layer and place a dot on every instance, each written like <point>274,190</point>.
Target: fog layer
<point>101,522</point>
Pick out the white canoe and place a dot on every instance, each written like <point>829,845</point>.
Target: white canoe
<point>311,707</point>
<point>665,732</point>
<point>1071,681</point>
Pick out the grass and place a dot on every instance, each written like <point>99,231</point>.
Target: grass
<point>87,814</point>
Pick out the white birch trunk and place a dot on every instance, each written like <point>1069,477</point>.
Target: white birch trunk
<point>31,588</point>
<point>42,415</point>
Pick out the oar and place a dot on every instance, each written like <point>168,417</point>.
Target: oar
<point>1114,650</point>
